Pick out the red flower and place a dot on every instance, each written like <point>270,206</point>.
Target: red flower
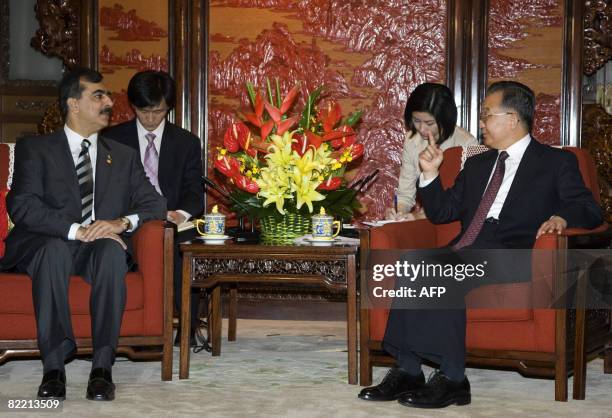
<point>235,135</point>
<point>246,184</point>
<point>303,142</point>
<point>330,116</point>
<point>283,125</point>
<point>332,183</point>
<point>343,137</point>
<point>228,166</point>
<point>257,118</point>
<point>356,150</point>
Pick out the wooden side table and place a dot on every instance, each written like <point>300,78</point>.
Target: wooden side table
<point>210,266</point>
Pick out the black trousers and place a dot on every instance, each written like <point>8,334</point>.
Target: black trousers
<point>435,334</point>
<point>103,264</point>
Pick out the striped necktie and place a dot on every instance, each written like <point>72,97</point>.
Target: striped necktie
<point>86,182</point>
<point>471,233</point>
<point>151,161</point>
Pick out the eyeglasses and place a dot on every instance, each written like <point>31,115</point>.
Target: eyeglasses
<point>484,116</point>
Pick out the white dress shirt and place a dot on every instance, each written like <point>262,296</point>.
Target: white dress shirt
<point>143,143</point>
<point>74,144</point>
<point>515,155</point>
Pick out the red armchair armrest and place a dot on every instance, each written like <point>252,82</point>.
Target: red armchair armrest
<point>149,241</point>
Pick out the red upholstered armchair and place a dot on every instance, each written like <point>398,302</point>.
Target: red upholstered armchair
<point>535,342</point>
<point>147,320</point>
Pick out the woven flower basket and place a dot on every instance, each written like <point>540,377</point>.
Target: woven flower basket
<point>284,230</point>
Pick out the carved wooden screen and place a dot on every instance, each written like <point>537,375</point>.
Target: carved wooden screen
<point>369,55</point>
<point>132,36</point>
<point>526,45</point>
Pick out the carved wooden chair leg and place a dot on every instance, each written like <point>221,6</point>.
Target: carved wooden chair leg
<point>561,374</point>
<point>365,369</point>
<point>580,357</point>
<point>365,360</point>
<point>560,385</point>
<point>579,390</point>
<point>232,313</point>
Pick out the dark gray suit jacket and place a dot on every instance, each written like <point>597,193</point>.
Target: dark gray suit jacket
<point>44,199</point>
<point>180,164</point>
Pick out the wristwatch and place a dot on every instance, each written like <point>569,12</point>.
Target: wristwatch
<point>127,224</point>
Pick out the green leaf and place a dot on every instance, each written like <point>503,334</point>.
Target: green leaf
<point>269,91</point>
<point>353,118</point>
<point>251,91</point>
<point>313,98</point>
<point>340,203</point>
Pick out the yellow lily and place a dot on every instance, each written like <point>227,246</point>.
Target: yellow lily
<point>274,185</point>
<point>306,193</point>
<point>280,153</point>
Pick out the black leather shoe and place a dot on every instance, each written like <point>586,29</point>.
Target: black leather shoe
<point>395,383</point>
<point>439,392</point>
<point>100,386</point>
<point>53,385</point>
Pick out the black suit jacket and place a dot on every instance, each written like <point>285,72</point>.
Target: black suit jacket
<point>180,164</point>
<point>547,182</point>
<point>44,199</point>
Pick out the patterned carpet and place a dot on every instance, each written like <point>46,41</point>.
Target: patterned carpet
<point>290,369</point>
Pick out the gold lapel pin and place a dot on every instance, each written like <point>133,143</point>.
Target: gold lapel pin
<point>109,160</point>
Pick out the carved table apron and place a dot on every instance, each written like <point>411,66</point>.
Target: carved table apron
<point>209,266</point>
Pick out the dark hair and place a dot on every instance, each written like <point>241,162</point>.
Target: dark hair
<point>148,88</point>
<point>71,87</point>
<point>518,97</point>
<point>436,99</point>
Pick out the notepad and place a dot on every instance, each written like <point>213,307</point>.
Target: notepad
<point>185,226</point>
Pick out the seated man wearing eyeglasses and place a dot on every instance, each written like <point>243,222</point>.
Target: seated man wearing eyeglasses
<point>171,156</point>
<point>505,198</point>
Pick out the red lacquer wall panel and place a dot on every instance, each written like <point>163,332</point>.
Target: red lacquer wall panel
<point>526,44</point>
<point>133,36</point>
<point>369,55</point>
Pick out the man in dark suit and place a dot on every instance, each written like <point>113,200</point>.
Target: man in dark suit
<point>75,199</point>
<point>171,156</point>
<point>505,198</point>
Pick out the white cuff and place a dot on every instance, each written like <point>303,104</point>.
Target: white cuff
<point>72,231</point>
<point>425,183</point>
<point>134,221</point>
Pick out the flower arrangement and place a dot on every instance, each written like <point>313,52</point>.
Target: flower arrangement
<point>293,163</point>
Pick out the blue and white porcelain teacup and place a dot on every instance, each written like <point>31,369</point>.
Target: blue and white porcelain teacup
<point>323,226</point>
<point>214,224</point>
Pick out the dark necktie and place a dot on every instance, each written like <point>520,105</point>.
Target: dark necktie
<point>486,202</point>
<point>86,182</point>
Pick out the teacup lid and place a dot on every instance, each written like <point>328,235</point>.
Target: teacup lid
<point>215,211</point>
<point>322,214</point>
